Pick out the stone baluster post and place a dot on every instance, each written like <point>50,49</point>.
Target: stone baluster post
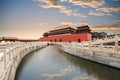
<point>89,45</point>
<point>116,46</point>
<point>116,43</point>
<point>75,47</point>
<point>8,49</point>
<point>5,51</point>
<point>101,47</point>
<point>81,47</point>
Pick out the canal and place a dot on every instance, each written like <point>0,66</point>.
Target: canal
<point>52,64</point>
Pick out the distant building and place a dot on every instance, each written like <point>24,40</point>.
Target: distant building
<point>28,40</point>
<point>99,35</point>
<point>17,39</point>
<point>9,38</point>
<point>67,34</point>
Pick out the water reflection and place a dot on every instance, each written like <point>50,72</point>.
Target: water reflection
<point>51,63</point>
<point>98,70</point>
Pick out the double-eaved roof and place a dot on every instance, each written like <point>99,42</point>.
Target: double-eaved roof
<point>65,29</point>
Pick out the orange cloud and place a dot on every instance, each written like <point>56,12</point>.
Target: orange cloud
<point>63,9</point>
<point>66,23</point>
<point>106,27</point>
<point>50,4</point>
<point>74,24</point>
<point>54,4</point>
<point>89,3</point>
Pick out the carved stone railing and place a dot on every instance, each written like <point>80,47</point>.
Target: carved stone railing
<point>11,53</point>
<point>95,51</point>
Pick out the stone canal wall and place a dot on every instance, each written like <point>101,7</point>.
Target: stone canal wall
<point>108,55</point>
<point>11,55</point>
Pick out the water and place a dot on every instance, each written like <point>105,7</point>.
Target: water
<point>52,64</point>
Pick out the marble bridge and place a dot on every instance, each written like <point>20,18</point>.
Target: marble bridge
<point>105,51</point>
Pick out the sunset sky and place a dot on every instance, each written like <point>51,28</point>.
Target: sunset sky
<point>31,18</point>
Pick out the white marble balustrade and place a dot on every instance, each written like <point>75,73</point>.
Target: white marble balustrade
<point>11,53</point>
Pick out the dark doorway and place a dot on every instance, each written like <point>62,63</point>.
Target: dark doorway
<point>50,40</point>
<point>79,40</point>
<point>60,40</point>
<point>55,40</point>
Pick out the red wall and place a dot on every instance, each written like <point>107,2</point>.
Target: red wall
<point>67,38</point>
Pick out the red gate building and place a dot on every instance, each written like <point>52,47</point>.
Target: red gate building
<point>67,34</point>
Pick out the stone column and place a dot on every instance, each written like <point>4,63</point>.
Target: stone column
<point>101,47</point>
<point>116,43</point>
<point>89,45</point>
<point>116,46</point>
<point>5,58</point>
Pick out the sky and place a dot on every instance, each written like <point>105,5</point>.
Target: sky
<point>31,18</point>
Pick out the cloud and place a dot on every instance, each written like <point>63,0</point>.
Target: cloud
<point>50,4</point>
<point>104,11</point>
<point>63,9</point>
<point>79,15</point>
<point>52,76</point>
<point>66,23</point>
<point>74,24</point>
<point>42,24</point>
<point>114,0</point>
<point>106,27</point>
<point>84,78</point>
<point>57,75</point>
<point>118,21</point>
<point>54,4</point>
<point>109,9</point>
<point>76,14</point>
<point>89,3</point>
<point>96,13</point>
<point>66,11</point>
